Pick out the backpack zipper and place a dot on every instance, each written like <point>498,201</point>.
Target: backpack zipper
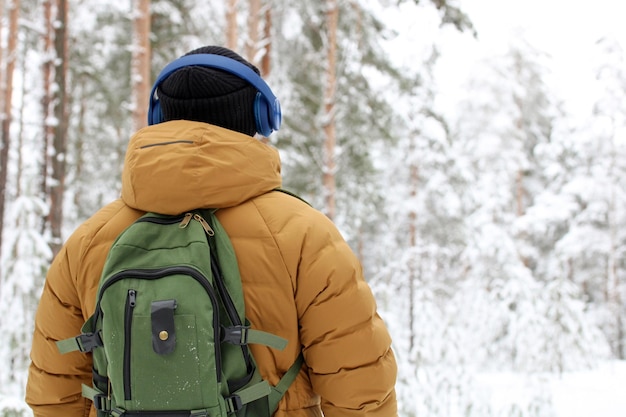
<point>227,301</point>
<point>131,301</point>
<point>231,310</point>
<point>183,221</point>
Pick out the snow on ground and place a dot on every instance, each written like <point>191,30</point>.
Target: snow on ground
<point>586,394</point>
<point>595,393</point>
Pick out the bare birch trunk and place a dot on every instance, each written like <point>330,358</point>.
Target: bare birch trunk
<point>61,115</point>
<point>5,112</point>
<point>231,24</point>
<point>140,68</point>
<point>329,181</point>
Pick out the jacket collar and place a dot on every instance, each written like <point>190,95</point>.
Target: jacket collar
<point>180,165</point>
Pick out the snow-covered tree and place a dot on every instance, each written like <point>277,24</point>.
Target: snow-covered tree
<point>25,252</point>
<point>361,114</point>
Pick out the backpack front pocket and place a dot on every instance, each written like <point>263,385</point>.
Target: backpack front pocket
<point>174,378</point>
<point>166,344</point>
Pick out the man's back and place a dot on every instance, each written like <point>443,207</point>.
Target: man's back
<point>300,279</point>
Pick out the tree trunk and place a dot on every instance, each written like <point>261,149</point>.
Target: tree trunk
<point>520,193</point>
<point>329,182</point>
<point>2,7</point>
<point>140,68</point>
<point>46,101</point>
<point>79,146</point>
<point>19,179</point>
<point>5,112</point>
<point>2,51</point>
<point>614,284</point>
<point>231,24</point>
<point>257,49</point>
<point>253,41</point>
<point>413,263</point>
<point>266,61</point>
<point>615,302</point>
<point>258,45</point>
<point>59,142</point>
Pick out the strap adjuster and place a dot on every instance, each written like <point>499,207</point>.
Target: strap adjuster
<point>233,403</point>
<point>236,335</point>
<point>101,402</point>
<point>88,341</point>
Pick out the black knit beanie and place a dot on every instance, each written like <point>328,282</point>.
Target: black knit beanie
<point>210,95</point>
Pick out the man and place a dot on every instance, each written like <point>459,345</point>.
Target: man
<point>301,281</point>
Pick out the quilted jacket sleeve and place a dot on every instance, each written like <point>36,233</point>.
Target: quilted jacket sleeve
<point>68,298</point>
<point>54,380</point>
<point>346,344</point>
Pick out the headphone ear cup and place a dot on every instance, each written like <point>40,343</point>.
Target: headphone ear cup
<point>276,115</point>
<point>261,116</point>
<point>156,116</point>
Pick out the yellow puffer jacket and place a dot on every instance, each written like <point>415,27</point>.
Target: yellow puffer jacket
<point>301,280</point>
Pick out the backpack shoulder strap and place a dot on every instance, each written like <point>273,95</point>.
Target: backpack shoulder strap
<point>281,388</point>
<point>247,335</point>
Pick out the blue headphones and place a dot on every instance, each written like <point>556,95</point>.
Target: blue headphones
<point>267,113</point>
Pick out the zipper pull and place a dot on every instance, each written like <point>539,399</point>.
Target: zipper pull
<point>204,224</point>
<point>132,298</point>
<point>186,220</point>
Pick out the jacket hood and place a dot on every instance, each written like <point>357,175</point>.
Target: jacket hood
<point>180,165</point>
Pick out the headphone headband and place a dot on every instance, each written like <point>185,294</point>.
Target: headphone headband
<point>266,123</point>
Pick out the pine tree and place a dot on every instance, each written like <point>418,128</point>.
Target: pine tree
<point>26,252</point>
<point>426,236</point>
<point>360,115</point>
<point>101,111</point>
<point>6,94</point>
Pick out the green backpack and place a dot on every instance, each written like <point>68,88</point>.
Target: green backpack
<point>168,335</point>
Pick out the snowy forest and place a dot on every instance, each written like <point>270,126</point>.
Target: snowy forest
<point>492,229</point>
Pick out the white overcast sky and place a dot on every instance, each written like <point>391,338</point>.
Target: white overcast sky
<point>567,30</point>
